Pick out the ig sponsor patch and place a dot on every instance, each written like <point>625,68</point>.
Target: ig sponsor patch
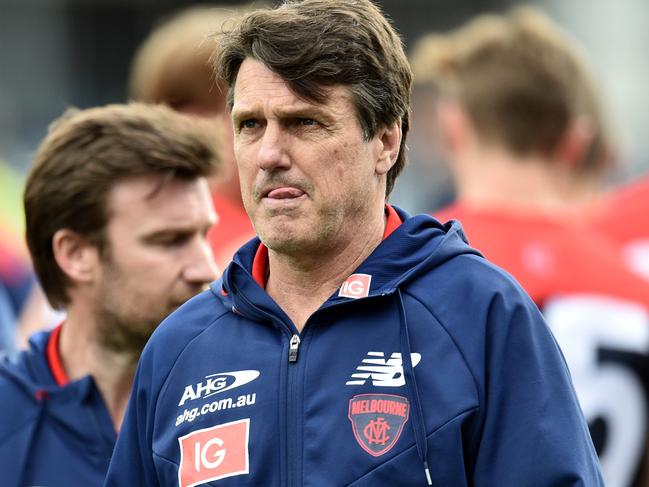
<point>377,420</point>
<point>214,453</point>
<point>356,286</point>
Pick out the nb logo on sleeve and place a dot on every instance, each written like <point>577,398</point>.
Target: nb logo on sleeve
<point>384,373</point>
<point>214,453</point>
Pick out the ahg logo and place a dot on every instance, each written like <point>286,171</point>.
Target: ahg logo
<point>356,286</point>
<point>217,383</point>
<point>214,453</point>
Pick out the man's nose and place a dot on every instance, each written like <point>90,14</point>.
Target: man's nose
<point>273,150</point>
<point>200,267</point>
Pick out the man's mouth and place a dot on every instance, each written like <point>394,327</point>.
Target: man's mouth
<point>284,193</point>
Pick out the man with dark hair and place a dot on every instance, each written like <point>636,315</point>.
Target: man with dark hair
<point>353,344</point>
<point>117,206</point>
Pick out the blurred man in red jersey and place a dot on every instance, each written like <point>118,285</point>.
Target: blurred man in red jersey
<point>172,67</point>
<point>521,124</point>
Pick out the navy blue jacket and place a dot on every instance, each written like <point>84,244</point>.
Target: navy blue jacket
<point>446,363</point>
<point>50,435</point>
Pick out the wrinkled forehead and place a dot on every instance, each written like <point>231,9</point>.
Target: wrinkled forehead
<point>256,73</point>
<point>258,89</point>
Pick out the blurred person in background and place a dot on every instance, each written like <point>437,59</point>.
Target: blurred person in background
<point>15,270</point>
<point>623,215</point>
<point>172,67</point>
<point>16,282</point>
<point>117,208</point>
<point>523,129</point>
<point>28,304</point>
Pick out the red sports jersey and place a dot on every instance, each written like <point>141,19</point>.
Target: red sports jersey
<point>598,311</point>
<point>231,231</point>
<point>623,215</point>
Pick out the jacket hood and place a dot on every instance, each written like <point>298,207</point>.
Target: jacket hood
<point>30,372</point>
<point>418,245</point>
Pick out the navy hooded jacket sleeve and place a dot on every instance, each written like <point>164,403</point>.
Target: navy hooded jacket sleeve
<point>427,356</point>
<point>532,430</point>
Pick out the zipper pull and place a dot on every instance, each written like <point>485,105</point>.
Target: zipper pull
<point>293,348</point>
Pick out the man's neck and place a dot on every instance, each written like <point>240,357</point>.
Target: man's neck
<point>300,284</point>
<point>82,354</point>
<point>495,179</point>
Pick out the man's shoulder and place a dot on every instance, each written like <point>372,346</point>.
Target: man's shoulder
<point>469,270</point>
<point>19,404</point>
<point>461,291</point>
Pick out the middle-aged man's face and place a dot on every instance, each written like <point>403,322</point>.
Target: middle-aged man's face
<point>307,175</point>
<point>156,256</point>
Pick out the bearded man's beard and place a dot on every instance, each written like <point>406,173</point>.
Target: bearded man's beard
<point>124,335</point>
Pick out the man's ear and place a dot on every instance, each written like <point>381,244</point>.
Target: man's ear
<point>390,143</point>
<point>574,144</point>
<point>75,255</point>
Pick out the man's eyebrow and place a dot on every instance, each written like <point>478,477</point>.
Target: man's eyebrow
<point>306,111</point>
<point>299,111</point>
<point>182,230</point>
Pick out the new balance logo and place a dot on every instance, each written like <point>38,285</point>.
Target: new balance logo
<point>382,372</point>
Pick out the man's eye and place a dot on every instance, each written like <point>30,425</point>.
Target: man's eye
<point>173,240</point>
<point>248,124</point>
<point>307,121</point>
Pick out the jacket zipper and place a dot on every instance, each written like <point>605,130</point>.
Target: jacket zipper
<point>292,406</point>
<point>292,412</point>
<point>291,403</point>
<point>294,347</point>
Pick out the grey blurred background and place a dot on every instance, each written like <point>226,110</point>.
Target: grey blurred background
<point>60,53</point>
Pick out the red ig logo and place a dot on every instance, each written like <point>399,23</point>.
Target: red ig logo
<point>356,286</point>
<point>214,453</point>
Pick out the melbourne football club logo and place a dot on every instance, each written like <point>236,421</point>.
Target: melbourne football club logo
<point>377,420</point>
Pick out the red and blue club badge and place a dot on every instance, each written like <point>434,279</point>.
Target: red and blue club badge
<point>377,420</point>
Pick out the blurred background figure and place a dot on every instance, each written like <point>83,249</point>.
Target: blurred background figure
<point>7,324</point>
<point>117,210</point>
<point>518,118</point>
<point>24,299</point>
<point>15,270</point>
<point>172,67</point>
<point>623,215</point>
